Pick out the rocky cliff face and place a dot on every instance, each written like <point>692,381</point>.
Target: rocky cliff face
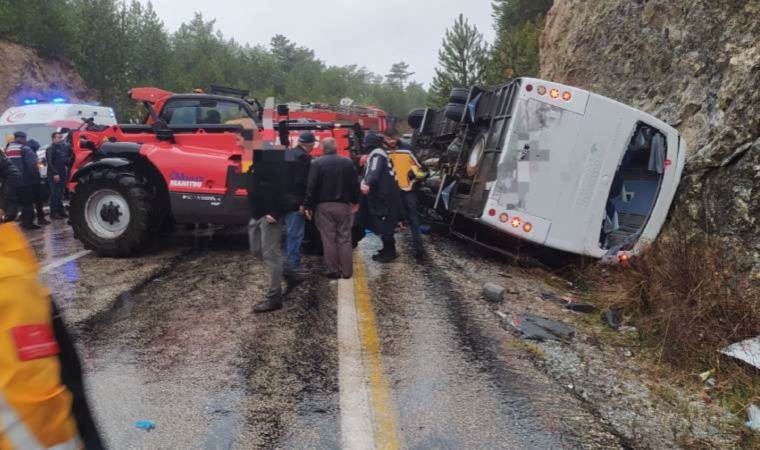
<point>695,65</point>
<point>23,73</point>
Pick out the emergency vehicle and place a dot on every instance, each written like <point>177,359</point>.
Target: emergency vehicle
<point>554,165</point>
<point>187,163</point>
<point>39,118</point>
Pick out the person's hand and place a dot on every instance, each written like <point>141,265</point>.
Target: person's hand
<point>270,219</point>
<point>308,214</point>
<point>354,208</point>
<point>57,178</point>
<point>365,189</point>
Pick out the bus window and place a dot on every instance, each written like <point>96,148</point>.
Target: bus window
<point>635,188</point>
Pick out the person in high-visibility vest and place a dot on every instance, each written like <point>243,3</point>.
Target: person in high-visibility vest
<point>42,404</point>
<point>409,173</point>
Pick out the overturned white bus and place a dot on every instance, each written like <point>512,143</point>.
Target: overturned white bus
<point>554,165</point>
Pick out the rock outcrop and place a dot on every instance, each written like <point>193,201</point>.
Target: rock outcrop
<point>23,73</point>
<point>696,65</point>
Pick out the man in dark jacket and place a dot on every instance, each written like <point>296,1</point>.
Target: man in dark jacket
<point>25,161</point>
<point>9,178</point>
<point>298,173</point>
<point>383,200</point>
<point>58,157</point>
<point>333,192</point>
<point>265,197</point>
<point>40,189</point>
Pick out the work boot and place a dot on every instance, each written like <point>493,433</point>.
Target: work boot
<point>270,304</point>
<point>43,221</point>
<point>387,256</point>
<point>419,254</point>
<point>292,279</point>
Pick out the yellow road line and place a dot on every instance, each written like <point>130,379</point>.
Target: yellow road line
<point>384,414</point>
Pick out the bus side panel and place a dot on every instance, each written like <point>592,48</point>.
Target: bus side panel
<point>601,143</point>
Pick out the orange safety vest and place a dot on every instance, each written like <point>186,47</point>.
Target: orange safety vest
<point>403,162</point>
<point>35,406</point>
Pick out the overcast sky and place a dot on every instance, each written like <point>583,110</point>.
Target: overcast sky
<point>374,34</point>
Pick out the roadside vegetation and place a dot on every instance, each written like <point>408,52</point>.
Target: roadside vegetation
<point>689,296</point>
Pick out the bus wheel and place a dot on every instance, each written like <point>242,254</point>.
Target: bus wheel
<point>476,154</point>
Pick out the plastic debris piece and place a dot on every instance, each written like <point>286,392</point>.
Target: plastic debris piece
<point>536,328</point>
<point>612,318</point>
<point>581,307</point>
<point>146,425</point>
<point>710,382</point>
<point>747,351</point>
<point>493,292</point>
<point>704,376</point>
<point>753,413</point>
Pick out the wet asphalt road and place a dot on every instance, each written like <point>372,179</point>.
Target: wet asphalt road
<point>169,337</point>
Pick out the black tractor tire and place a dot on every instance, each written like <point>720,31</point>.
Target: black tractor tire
<point>459,95</point>
<point>415,118</point>
<point>135,193</point>
<point>454,112</point>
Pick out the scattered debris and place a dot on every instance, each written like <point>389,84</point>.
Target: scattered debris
<point>704,376</point>
<point>628,353</point>
<point>536,328</point>
<point>493,292</point>
<point>747,351</point>
<point>581,307</point>
<point>612,318</point>
<point>753,413</point>
<point>627,329</point>
<point>710,383</point>
<point>146,425</point>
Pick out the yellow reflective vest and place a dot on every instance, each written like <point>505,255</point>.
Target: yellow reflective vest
<point>408,169</point>
<point>35,407</point>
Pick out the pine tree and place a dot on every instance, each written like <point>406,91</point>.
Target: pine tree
<point>518,25</point>
<point>462,60</point>
<point>399,75</point>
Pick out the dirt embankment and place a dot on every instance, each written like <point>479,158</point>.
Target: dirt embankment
<point>23,73</point>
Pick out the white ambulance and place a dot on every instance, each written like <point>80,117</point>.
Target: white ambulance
<point>558,166</point>
<point>39,119</point>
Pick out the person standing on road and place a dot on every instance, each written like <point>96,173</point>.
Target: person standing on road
<point>409,171</point>
<point>298,174</point>
<point>25,161</point>
<point>265,232</point>
<point>39,189</point>
<point>333,192</point>
<point>380,187</point>
<point>58,157</point>
<point>9,178</point>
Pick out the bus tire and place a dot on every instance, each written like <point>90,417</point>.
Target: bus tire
<point>454,112</point>
<point>475,156</point>
<point>459,95</point>
<point>415,118</point>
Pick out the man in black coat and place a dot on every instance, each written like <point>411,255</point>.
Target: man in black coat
<point>58,158</point>
<point>333,193</point>
<point>383,198</point>
<point>9,178</point>
<point>25,161</point>
<point>40,189</point>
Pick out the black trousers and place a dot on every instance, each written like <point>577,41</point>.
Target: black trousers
<point>39,200</point>
<point>412,216</point>
<point>25,196</point>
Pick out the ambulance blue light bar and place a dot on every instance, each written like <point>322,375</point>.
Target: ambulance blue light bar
<point>58,100</point>
<point>30,101</point>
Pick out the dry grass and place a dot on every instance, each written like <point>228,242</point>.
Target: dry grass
<point>689,296</point>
